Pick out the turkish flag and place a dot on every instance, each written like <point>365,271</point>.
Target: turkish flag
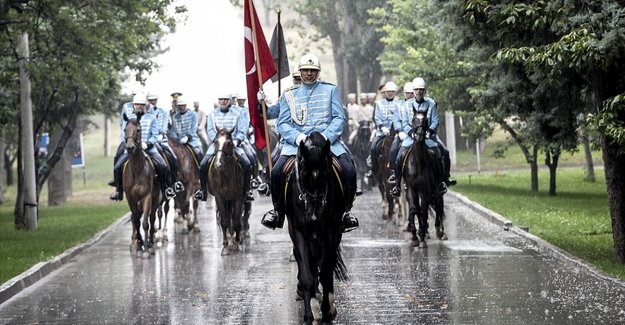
<point>264,64</point>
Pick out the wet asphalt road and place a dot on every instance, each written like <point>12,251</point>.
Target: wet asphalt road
<point>481,275</point>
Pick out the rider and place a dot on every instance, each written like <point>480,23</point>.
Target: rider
<point>162,120</point>
<point>224,118</point>
<point>421,103</point>
<point>128,110</point>
<point>385,110</point>
<point>201,125</point>
<point>184,127</point>
<point>148,141</point>
<point>238,104</point>
<point>357,114</point>
<point>313,106</point>
<point>399,125</point>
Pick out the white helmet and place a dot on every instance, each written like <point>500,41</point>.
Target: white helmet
<point>139,99</point>
<point>224,95</point>
<point>151,96</point>
<point>309,61</point>
<point>408,87</point>
<point>390,86</point>
<point>181,101</point>
<point>418,83</point>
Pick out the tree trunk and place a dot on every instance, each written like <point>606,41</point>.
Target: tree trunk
<point>614,164</point>
<point>590,168</point>
<point>2,168</point>
<point>27,153</point>
<point>107,136</point>
<point>60,178</point>
<point>533,161</point>
<point>552,162</point>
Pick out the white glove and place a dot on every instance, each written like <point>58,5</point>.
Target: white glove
<point>159,137</point>
<point>402,136</point>
<point>184,139</point>
<point>260,95</point>
<point>300,138</point>
<point>144,145</point>
<point>385,130</point>
<point>250,130</point>
<point>236,142</point>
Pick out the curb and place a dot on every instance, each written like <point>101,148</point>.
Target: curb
<point>41,269</point>
<point>545,246</point>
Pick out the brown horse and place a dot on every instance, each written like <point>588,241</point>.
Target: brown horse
<point>189,175</point>
<point>143,194</point>
<point>225,176</point>
<point>382,174</point>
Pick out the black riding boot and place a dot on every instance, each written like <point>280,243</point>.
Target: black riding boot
<point>175,166</point>
<point>275,218</point>
<point>396,190</point>
<point>118,195</point>
<point>202,193</point>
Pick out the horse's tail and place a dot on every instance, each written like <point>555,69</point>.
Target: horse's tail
<point>340,270</point>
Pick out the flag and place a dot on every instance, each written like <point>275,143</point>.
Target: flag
<point>278,51</point>
<point>265,65</point>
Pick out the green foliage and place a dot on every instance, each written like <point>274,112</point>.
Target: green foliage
<point>611,120</point>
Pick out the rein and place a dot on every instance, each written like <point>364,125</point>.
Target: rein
<point>306,196</point>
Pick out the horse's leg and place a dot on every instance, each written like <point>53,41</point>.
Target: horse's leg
<point>326,277</point>
<point>147,205</point>
<point>413,201</point>
<point>165,206</point>
<point>136,224</point>
<point>422,215</point>
<point>196,225</point>
<point>305,283</point>
<point>439,207</point>
<point>246,219</point>
<point>226,216</point>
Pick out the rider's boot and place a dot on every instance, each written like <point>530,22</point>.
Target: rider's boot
<point>392,179</point>
<point>118,194</point>
<point>396,190</point>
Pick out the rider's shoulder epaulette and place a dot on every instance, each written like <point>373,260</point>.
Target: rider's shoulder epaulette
<point>326,83</point>
<point>291,88</point>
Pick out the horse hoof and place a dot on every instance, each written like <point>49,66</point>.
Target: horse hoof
<point>298,295</point>
<point>316,309</point>
<point>139,253</point>
<point>159,244</point>
<point>225,251</point>
<point>151,250</point>
<point>414,243</point>
<point>178,219</point>
<point>443,236</point>
<point>427,235</point>
<point>196,228</point>
<point>146,255</point>
<point>333,311</point>
<point>422,244</point>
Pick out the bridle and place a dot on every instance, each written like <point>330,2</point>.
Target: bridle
<point>315,199</point>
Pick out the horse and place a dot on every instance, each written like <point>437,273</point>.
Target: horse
<point>315,204</point>
<point>360,150</point>
<point>382,174</point>
<point>421,178</point>
<point>189,175</point>
<point>143,194</point>
<point>226,177</point>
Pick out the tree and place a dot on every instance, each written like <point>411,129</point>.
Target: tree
<point>80,51</point>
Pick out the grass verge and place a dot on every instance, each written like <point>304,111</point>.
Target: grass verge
<point>577,219</point>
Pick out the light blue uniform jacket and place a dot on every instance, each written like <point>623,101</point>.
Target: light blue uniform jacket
<point>384,114</point>
<point>318,108</point>
<point>224,120</point>
<point>186,125</point>
<point>128,109</point>
<point>407,109</point>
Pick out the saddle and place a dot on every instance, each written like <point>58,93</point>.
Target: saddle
<point>289,169</point>
<point>193,154</point>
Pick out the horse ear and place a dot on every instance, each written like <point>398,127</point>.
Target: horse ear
<point>218,129</point>
<point>230,130</point>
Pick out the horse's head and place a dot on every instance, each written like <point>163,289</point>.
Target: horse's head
<point>314,164</point>
<point>420,125</point>
<point>133,134</point>
<point>224,145</point>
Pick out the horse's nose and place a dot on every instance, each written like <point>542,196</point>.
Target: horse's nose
<point>130,147</point>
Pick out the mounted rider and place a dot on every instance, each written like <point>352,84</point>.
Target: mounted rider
<point>398,124</point>
<point>422,103</point>
<point>384,117</point>
<point>184,127</point>
<point>224,118</point>
<point>149,134</point>
<point>162,121</point>
<point>312,106</point>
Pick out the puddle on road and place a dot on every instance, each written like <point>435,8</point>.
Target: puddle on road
<point>373,243</point>
<point>479,246</point>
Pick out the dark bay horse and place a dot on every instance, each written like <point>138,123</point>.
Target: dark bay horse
<point>189,175</point>
<point>143,194</point>
<point>314,207</point>
<point>420,175</point>
<point>383,173</point>
<point>225,179</point>
<point>360,149</point>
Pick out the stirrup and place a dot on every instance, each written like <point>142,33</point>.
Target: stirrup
<point>396,191</point>
<point>272,220</point>
<point>264,189</point>
<point>256,182</point>
<point>442,188</point>
<point>200,195</point>
<point>116,196</point>
<point>249,196</point>
<point>349,222</point>
<point>369,174</point>
<point>451,181</point>
<point>358,191</point>
<point>169,193</point>
<point>178,186</point>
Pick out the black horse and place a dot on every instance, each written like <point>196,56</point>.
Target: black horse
<point>360,150</point>
<point>315,204</point>
<point>421,172</point>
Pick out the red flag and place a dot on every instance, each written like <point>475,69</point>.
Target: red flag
<point>252,66</point>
